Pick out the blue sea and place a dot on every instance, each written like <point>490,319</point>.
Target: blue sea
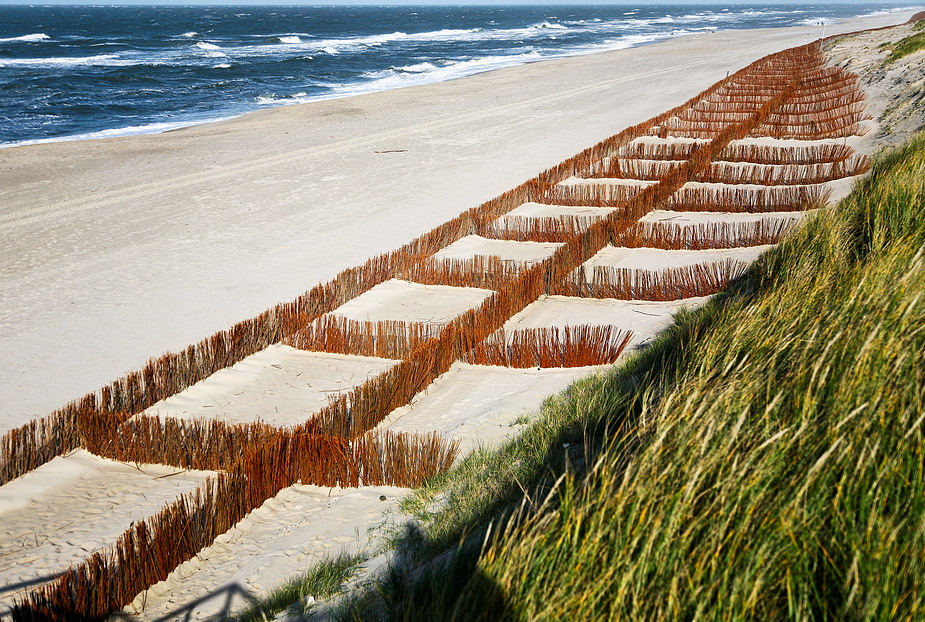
<point>69,72</point>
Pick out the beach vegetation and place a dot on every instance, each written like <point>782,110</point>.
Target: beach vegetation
<point>320,582</point>
<point>906,46</point>
<point>765,458</point>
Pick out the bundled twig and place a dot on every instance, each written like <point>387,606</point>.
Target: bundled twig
<point>481,271</point>
<point>150,549</point>
<point>389,339</point>
<point>542,229</point>
<point>821,153</point>
<point>660,150</point>
<point>571,346</point>
<point>783,174</point>
<point>751,200</point>
<point>592,195</point>
<point>37,442</point>
<point>703,279</point>
<point>814,131</point>
<point>402,459</point>
<point>704,236</point>
<point>631,168</point>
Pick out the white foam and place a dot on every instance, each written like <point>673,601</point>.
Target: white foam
<point>207,46</point>
<point>297,98</point>
<point>898,9</point>
<point>551,26</point>
<point>292,39</point>
<point>416,68</point>
<point>818,21</point>
<point>473,34</point>
<point>428,73</point>
<point>107,60</point>
<point>39,36</point>
<point>133,130</point>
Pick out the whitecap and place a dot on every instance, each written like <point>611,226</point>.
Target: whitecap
<point>190,34</point>
<point>207,46</point>
<point>890,11</point>
<point>110,60</point>
<point>548,25</point>
<point>416,68</point>
<point>289,39</point>
<point>817,21</point>
<point>277,100</point>
<point>39,36</point>
<point>446,33</point>
<point>330,50</point>
<point>222,66</point>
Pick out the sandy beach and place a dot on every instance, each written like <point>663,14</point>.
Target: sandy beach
<point>114,251</point>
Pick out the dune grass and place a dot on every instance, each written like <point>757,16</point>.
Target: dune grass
<point>321,581</point>
<point>906,46</point>
<point>764,459</point>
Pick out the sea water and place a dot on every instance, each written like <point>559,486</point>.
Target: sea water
<point>69,72</point>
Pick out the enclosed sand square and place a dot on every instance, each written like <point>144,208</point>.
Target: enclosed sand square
<point>280,386</point>
<point>524,253</point>
<point>56,515</point>
<point>402,301</point>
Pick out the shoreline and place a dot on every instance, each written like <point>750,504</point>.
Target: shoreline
<point>118,250</point>
<point>130,131</point>
<point>164,127</point>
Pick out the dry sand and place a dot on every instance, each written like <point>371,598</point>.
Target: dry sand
<point>540,210</point>
<point>280,540</point>
<point>693,219</point>
<point>280,386</point>
<point>895,92</point>
<point>61,512</point>
<point>114,251</point>
<point>656,258</point>
<point>521,253</point>
<point>403,301</point>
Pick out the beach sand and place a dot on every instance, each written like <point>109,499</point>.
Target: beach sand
<point>114,251</point>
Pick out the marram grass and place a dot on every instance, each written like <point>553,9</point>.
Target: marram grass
<point>906,46</point>
<point>771,462</point>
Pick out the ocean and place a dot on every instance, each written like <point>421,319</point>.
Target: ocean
<point>72,72</point>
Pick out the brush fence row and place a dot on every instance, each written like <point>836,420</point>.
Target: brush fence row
<point>790,94</point>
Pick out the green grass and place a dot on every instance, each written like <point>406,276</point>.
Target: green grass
<point>907,45</point>
<point>320,582</point>
<point>764,459</point>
